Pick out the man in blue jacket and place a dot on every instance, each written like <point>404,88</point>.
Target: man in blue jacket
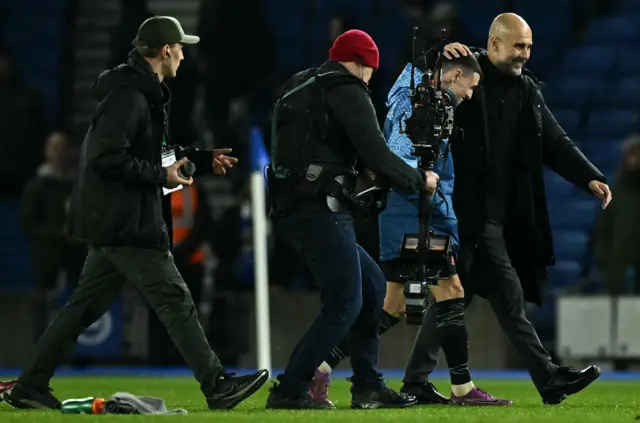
<point>460,75</point>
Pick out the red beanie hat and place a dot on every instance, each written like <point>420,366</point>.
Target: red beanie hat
<point>355,46</point>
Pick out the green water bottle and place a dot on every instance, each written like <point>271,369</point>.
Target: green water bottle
<point>89,405</point>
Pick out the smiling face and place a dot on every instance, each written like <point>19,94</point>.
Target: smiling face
<point>510,42</point>
<point>512,51</point>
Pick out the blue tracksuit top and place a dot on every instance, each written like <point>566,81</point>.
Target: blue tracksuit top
<point>401,214</point>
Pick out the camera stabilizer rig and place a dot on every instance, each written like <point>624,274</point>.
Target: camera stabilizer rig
<point>431,121</point>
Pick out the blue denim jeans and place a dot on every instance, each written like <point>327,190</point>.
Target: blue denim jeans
<point>352,289</point>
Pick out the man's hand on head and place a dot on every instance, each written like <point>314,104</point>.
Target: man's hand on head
<point>456,50</point>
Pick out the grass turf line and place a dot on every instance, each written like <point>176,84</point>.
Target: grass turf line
<point>604,401</point>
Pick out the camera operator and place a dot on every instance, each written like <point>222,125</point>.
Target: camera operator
<point>323,123</point>
<point>499,198</point>
<point>118,209</point>
<point>461,76</point>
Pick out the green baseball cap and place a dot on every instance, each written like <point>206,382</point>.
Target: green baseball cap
<point>159,31</point>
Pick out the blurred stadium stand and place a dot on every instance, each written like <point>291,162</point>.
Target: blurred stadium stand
<point>585,56</point>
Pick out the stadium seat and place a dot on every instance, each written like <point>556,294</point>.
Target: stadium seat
<point>573,91</point>
<point>476,17</point>
<point>546,26</point>
<point>572,214</point>
<point>569,120</point>
<point>610,173</point>
<point>564,273</point>
<point>611,123</point>
<point>613,30</point>
<point>604,153</point>
<point>623,93</point>
<point>556,186</point>
<point>595,59</point>
<point>626,65</point>
<point>570,245</point>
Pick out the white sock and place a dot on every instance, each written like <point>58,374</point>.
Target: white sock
<point>325,368</point>
<point>462,390</point>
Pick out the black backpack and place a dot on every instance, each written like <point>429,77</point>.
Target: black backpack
<point>298,119</point>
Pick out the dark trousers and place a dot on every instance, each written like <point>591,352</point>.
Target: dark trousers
<point>105,271</point>
<point>352,290</point>
<point>504,293</point>
<point>162,352</point>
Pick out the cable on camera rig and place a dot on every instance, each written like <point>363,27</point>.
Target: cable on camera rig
<point>431,122</point>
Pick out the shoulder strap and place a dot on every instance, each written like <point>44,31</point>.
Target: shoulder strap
<point>336,78</point>
<point>280,172</point>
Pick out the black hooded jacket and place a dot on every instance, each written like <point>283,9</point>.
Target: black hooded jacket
<point>117,199</point>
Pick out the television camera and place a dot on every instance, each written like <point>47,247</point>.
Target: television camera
<point>424,255</point>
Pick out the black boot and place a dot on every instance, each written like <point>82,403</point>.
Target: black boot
<point>568,381</point>
<point>231,390</point>
<point>28,398</point>
<point>278,401</point>
<point>425,393</point>
<point>380,396</point>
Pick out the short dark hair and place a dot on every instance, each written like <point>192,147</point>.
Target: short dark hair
<point>468,64</point>
<point>148,52</point>
<point>151,52</point>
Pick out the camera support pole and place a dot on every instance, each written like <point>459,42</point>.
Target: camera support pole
<point>416,291</point>
<point>424,213</point>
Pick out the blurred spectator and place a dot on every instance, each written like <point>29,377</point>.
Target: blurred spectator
<point>43,218</point>
<point>22,128</point>
<point>618,229</point>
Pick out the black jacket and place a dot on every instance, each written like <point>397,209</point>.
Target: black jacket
<point>117,199</point>
<point>345,129</point>
<point>542,142</point>
<point>43,209</point>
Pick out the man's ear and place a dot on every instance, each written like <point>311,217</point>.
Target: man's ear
<point>494,42</point>
<point>457,74</point>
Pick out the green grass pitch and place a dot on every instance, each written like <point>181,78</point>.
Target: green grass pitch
<point>604,402</point>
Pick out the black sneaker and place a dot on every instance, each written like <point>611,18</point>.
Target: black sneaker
<point>277,401</point>
<point>26,399</point>
<point>568,381</point>
<point>425,393</point>
<point>232,390</point>
<point>382,397</point>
